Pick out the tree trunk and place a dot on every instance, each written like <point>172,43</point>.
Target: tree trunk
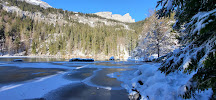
<point>158,47</point>
<point>158,50</point>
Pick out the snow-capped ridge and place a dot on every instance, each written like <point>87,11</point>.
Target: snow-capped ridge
<point>38,2</point>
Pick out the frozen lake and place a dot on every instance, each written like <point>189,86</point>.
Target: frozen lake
<point>58,79</point>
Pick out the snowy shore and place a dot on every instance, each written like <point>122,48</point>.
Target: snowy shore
<point>148,83</point>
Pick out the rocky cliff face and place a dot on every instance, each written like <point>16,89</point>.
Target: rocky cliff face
<point>38,2</point>
<point>52,18</point>
<point>125,18</point>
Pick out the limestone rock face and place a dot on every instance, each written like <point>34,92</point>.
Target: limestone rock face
<point>38,2</point>
<point>125,18</point>
<point>51,18</point>
<point>58,18</point>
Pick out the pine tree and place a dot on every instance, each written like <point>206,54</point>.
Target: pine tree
<point>199,20</point>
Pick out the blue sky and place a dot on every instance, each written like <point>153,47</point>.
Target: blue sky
<point>138,9</point>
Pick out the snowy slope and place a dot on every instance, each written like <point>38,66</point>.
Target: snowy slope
<point>38,2</point>
<point>154,85</point>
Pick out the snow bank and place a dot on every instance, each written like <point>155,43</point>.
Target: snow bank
<point>154,85</point>
<point>150,58</point>
<point>135,59</point>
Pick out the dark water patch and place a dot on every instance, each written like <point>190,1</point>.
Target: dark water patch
<point>79,74</point>
<point>108,64</point>
<point>73,64</point>
<point>31,59</point>
<point>82,91</point>
<point>102,79</point>
<point>119,64</point>
<point>36,99</point>
<point>15,74</point>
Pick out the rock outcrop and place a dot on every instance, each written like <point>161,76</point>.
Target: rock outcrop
<point>125,18</point>
<point>59,18</point>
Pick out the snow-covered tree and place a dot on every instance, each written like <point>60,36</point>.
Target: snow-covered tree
<point>157,37</point>
<point>197,56</point>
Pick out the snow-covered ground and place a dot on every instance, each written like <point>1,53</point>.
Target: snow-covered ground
<point>154,85</point>
<point>150,58</point>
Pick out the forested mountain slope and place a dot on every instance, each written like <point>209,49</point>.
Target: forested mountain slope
<point>33,30</point>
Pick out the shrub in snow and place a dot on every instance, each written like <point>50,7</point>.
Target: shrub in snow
<point>112,58</point>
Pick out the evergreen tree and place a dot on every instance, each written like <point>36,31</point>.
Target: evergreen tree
<point>199,20</point>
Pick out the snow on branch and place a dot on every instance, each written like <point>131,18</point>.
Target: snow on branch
<point>200,21</point>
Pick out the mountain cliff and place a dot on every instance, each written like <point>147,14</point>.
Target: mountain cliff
<point>109,15</point>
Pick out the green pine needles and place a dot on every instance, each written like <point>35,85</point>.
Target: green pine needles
<point>197,20</point>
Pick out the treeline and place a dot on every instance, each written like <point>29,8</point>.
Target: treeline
<point>18,34</point>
